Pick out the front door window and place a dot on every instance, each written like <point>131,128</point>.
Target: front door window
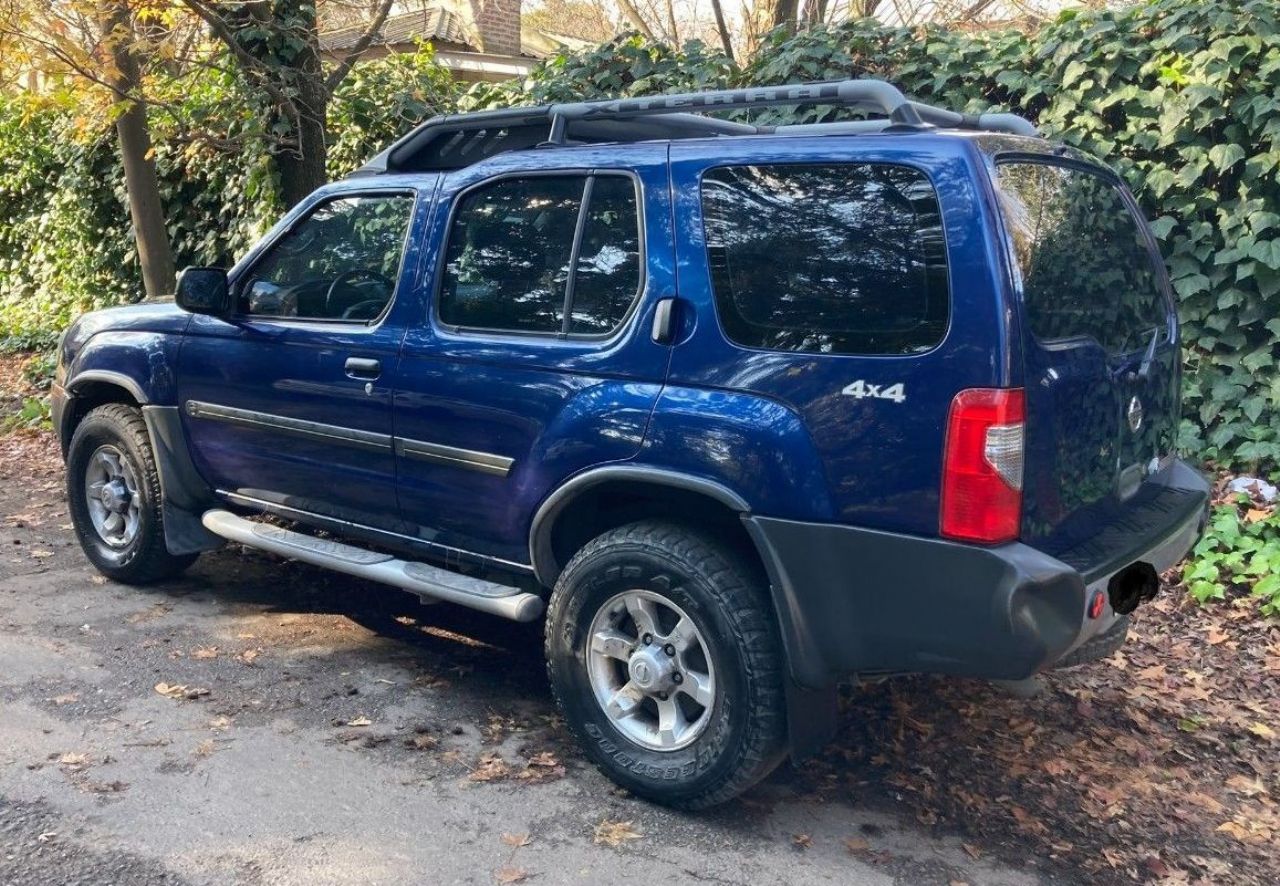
<point>339,263</point>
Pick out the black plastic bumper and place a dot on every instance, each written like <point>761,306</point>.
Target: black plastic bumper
<point>855,600</point>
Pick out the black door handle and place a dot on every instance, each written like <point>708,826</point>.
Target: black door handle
<point>664,321</point>
<point>363,368</point>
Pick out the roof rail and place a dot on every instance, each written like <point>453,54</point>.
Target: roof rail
<point>457,140</point>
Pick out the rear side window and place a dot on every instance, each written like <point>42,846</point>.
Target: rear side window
<point>831,259</point>
<point>512,244</point>
<point>1082,256</point>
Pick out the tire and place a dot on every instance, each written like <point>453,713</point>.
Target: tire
<point>137,553</point>
<point>1102,646</point>
<point>729,744</point>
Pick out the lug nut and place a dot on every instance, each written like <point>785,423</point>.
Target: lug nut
<point>647,638</point>
<point>677,677</point>
<point>669,649</point>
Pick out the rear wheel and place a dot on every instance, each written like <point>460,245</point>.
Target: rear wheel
<point>664,658</point>
<point>114,493</point>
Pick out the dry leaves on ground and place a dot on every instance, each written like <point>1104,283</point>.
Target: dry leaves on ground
<point>1162,757</point>
<point>615,833</point>
<point>187,693</point>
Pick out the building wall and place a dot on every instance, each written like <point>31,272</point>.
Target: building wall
<point>497,24</point>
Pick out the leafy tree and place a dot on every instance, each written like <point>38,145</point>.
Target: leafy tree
<point>99,43</point>
<point>277,45</point>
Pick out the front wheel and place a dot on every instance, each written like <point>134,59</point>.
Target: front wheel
<point>113,490</point>
<point>664,658</point>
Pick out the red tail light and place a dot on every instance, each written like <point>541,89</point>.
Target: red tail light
<point>982,465</point>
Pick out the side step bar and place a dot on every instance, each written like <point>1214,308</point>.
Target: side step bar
<point>422,579</point>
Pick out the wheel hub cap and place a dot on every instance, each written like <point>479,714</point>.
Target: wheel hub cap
<point>652,673</point>
<point>115,496</point>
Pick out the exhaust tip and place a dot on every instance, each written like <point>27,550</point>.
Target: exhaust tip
<point>1135,584</point>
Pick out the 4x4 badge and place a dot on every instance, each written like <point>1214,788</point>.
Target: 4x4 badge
<point>1134,414</point>
<point>860,389</point>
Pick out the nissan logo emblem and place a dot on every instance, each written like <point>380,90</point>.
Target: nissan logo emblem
<point>1134,414</point>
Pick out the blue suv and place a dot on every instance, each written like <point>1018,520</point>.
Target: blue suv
<point>745,409</point>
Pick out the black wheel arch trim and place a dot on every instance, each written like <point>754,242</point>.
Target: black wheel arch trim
<point>119,379</point>
<point>541,555</point>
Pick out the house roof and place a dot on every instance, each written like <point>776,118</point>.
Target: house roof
<point>434,23</point>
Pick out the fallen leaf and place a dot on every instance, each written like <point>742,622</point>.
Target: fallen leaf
<point>856,845</point>
<point>1262,730</point>
<point>74,760</point>
<point>69,698</point>
<point>104,787</point>
<point>511,875</point>
<point>46,836</point>
<point>205,652</point>
<point>171,690</point>
<point>205,748</point>
<point>801,841</point>
<point>490,768</point>
<point>421,742</point>
<point>516,840</point>
<point>41,555</point>
<point>972,851</point>
<point>362,720</point>
<point>1249,787</point>
<point>615,833</point>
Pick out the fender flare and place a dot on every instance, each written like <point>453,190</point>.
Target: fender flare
<point>119,379</point>
<point>541,555</point>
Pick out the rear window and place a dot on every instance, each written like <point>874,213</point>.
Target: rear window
<point>1082,256</point>
<point>831,259</point>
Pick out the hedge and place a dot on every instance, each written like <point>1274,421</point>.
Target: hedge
<point>1182,97</point>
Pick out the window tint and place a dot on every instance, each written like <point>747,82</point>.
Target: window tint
<point>507,259</point>
<point>833,259</point>
<point>340,263</point>
<point>510,246</point>
<point>608,268</point>
<point>1084,262</point>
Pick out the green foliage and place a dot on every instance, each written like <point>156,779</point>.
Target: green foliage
<point>1240,549</point>
<point>33,415</point>
<point>1182,97</point>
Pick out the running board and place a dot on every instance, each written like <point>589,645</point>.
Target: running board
<point>422,579</point>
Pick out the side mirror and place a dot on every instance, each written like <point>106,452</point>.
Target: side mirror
<point>203,291</point>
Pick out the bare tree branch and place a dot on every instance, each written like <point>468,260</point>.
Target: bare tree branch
<point>635,19</point>
<point>340,72</point>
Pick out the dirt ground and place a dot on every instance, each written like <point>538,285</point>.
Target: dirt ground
<point>261,721</point>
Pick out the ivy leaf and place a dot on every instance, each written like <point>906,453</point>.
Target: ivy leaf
<point>1226,156</point>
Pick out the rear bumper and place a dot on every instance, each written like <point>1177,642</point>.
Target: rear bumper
<point>853,600</point>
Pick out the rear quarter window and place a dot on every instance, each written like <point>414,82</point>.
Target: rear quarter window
<point>832,259</point>
<point>1081,254</point>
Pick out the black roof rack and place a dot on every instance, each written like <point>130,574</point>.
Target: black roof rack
<point>457,140</point>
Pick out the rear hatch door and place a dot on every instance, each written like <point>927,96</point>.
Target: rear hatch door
<point>1101,357</point>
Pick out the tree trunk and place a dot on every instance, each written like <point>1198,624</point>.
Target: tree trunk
<point>302,163</point>
<point>784,12</point>
<point>145,209</point>
<point>723,28</point>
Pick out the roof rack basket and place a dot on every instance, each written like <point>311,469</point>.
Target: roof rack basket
<point>457,140</point>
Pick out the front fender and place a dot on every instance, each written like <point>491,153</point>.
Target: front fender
<point>140,362</point>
